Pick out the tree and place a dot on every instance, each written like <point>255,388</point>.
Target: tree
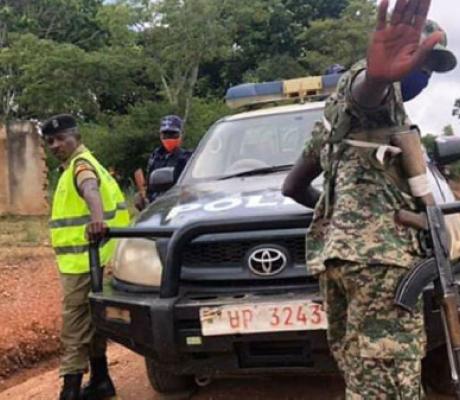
<point>428,141</point>
<point>41,76</point>
<point>448,130</point>
<point>267,42</point>
<point>456,110</point>
<point>71,21</point>
<point>343,40</point>
<point>184,35</point>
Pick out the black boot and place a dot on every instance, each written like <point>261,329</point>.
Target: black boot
<point>100,386</point>
<point>71,388</point>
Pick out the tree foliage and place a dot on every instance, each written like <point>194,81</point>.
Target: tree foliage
<point>339,40</point>
<point>120,65</point>
<point>456,109</point>
<point>184,34</point>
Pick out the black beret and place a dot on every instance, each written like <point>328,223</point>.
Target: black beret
<point>58,123</point>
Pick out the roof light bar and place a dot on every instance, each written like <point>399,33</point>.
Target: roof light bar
<point>293,89</point>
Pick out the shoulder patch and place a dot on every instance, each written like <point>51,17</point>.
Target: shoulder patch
<point>82,166</point>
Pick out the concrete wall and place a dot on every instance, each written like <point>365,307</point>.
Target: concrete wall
<point>4,172</point>
<point>23,180</point>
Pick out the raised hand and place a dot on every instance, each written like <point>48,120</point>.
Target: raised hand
<point>396,48</point>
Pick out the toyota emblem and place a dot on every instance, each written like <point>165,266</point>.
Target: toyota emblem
<point>267,261</point>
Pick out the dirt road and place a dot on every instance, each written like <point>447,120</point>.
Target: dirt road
<point>130,378</point>
<point>29,329</point>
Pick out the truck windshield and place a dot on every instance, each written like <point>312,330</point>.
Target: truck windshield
<point>234,147</point>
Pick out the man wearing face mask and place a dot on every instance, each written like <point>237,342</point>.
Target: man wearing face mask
<point>354,243</point>
<point>168,154</point>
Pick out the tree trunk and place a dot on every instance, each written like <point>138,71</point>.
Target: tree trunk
<point>190,89</point>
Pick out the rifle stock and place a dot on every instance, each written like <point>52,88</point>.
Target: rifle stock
<point>440,270</point>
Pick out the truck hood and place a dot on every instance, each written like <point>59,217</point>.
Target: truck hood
<point>243,197</point>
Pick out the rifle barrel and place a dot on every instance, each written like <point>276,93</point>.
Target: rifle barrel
<point>450,208</point>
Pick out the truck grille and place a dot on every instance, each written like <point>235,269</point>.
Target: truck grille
<point>234,252</point>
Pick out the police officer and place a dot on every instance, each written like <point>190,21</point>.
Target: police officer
<point>354,243</point>
<point>168,154</point>
<point>87,200</point>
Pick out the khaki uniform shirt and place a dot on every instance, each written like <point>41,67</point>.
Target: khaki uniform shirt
<point>360,226</point>
<point>83,170</point>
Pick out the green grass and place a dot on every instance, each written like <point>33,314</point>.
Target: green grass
<point>19,230</point>
<point>33,231</point>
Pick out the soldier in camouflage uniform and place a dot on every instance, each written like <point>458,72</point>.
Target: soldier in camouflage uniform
<point>354,243</point>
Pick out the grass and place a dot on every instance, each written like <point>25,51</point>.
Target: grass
<point>23,231</point>
<point>33,231</point>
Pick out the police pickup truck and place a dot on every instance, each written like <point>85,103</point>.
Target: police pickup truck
<point>211,281</point>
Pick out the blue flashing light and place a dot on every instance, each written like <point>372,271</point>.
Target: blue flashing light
<point>254,90</point>
<point>276,91</point>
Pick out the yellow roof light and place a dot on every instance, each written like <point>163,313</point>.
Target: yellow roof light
<point>302,87</point>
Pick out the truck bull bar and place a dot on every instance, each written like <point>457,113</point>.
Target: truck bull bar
<point>170,280</point>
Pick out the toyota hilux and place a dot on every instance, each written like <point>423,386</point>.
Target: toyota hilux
<point>211,280</point>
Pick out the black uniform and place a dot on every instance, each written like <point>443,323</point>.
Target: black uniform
<point>160,158</point>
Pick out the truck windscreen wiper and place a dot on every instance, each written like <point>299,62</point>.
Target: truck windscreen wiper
<point>258,171</point>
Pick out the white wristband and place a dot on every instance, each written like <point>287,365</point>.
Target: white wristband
<point>419,185</point>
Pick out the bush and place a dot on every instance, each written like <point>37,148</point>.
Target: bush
<point>125,142</point>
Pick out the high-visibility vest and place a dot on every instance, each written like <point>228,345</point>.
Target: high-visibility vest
<point>70,214</point>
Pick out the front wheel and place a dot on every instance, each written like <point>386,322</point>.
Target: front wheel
<point>167,383</point>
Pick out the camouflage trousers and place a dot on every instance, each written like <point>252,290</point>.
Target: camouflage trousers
<point>378,346</point>
<point>78,337</point>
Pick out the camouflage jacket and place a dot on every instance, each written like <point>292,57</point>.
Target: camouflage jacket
<point>359,225</point>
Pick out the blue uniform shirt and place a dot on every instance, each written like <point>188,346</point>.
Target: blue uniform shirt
<point>160,158</point>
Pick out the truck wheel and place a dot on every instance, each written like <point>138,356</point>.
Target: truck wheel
<point>177,386</point>
<point>436,371</point>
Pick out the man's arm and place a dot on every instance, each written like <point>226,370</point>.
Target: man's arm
<point>306,169</point>
<point>297,183</point>
<point>97,228</point>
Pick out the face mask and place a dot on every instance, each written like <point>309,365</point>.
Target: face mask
<point>413,84</point>
<point>171,144</point>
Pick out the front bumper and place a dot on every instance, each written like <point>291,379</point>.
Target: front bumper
<point>168,331</point>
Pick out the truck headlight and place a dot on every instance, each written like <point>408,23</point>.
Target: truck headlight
<point>137,261</point>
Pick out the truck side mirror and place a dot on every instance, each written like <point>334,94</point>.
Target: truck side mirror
<point>446,149</point>
<point>162,179</point>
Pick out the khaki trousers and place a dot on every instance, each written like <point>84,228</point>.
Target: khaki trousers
<point>78,337</point>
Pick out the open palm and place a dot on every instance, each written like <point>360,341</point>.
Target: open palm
<point>396,47</point>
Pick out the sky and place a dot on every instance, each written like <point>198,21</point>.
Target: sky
<point>432,109</point>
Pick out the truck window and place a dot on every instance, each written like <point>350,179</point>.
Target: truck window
<point>238,145</point>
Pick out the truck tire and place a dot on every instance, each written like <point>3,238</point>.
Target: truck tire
<point>164,382</point>
<point>436,371</point>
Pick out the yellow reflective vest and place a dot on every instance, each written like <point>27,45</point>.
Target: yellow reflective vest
<point>70,214</point>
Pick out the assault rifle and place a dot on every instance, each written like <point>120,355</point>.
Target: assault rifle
<point>437,268</point>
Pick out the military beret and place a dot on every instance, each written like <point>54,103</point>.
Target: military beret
<point>58,123</point>
<point>441,59</point>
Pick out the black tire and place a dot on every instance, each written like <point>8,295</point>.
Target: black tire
<point>436,371</point>
<point>165,382</point>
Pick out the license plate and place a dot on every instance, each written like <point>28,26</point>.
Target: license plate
<point>297,315</point>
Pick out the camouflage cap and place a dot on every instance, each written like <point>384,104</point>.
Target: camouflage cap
<point>440,59</point>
